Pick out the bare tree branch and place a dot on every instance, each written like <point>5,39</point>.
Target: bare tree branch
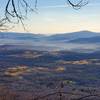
<point>78,5</point>
<point>16,11</point>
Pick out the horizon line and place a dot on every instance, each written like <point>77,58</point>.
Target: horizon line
<point>38,33</point>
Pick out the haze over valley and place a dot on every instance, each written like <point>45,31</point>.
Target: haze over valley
<point>82,41</point>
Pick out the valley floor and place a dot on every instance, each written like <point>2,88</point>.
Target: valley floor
<point>53,75</point>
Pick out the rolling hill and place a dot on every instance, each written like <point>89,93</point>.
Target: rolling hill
<point>95,39</point>
<point>64,37</point>
<point>76,41</point>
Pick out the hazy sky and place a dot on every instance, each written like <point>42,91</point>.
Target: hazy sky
<point>55,16</point>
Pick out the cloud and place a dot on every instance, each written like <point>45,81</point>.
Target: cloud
<point>55,6</point>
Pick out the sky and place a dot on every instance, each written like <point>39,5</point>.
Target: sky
<point>55,16</point>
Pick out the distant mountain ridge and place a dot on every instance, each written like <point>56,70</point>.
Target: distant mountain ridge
<point>56,37</point>
<point>77,41</point>
<point>95,39</point>
<point>71,36</point>
<point>19,36</point>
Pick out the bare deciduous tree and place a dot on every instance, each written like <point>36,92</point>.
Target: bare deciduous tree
<point>16,11</point>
